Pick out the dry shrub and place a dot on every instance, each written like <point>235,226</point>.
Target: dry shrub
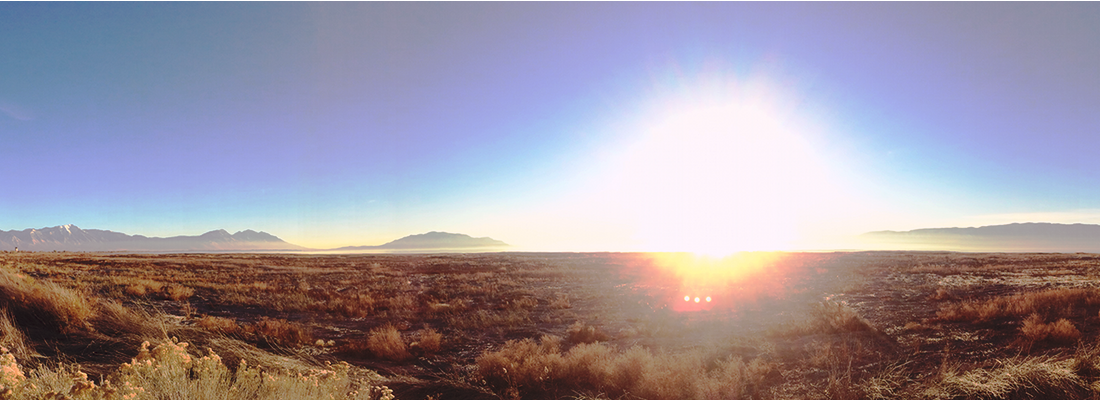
<point>942,294</point>
<point>526,303</point>
<point>169,371</point>
<point>386,342</point>
<point>1086,362</point>
<point>178,292</point>
<point>521,366</point>
<point>488,318</point>
<point>1052,303</point>
<point>888,384</point>
<point>115,319</point>
<point>401,304</point>
<point>219,325</point>
<point>913,326</point>
<point>526,367</point>
<point>12,338</point>
<point>832,317</point>
<point>430,340</point>
<point>1018,378</point>
<point>358,305</point>
<point>560,301</point>
<point>142,287</point>
<point>37,303</point>
<point>280,332</point>
<point>137,290</point>
<point>1035,330</point>
<point>579,332</point>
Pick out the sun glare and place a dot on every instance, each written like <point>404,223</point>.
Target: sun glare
<point>713,167</point>
<point>706,282</point>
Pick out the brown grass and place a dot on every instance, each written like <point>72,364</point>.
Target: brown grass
<point>1017,378</point>
<point>430,341</point>
<point>37,303</point>
<point>1051,303</point>
<point>178,292</point>
<point>386,342</point>
<point>579,332</point>
<point>526,367</point>
<point>834,351</point>
<point>219,325</point>
<point>279,332</point>
<point>13,339</point>
<point>1034,330</point>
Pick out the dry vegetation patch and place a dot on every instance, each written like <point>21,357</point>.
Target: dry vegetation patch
<point>485,326</point>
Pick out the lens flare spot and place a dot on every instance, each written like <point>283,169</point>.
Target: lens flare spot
<point>696,299</point>
<point>687,298</point>
<point>708,299</point>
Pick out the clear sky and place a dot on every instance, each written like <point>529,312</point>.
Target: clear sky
<point>551,126</point>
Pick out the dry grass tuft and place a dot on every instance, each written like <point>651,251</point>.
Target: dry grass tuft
<point>560,301</point>
<point>386,342</point>
<point>35,303</point>
<point>526,367</point>
<point>219,325</point>
<point>275,332</point>
<point>1018,378</point>
<point>430,340</point>
<point>1034,330</point>
<point>178,292</point>
<point>579,332</point>
<point>12,338</point>
<point>1052,303</point>
<point>169,371</point>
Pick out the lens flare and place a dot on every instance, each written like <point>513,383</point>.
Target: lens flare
<point>701,280</point>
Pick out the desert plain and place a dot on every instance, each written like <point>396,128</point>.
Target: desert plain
<point>837,325</point>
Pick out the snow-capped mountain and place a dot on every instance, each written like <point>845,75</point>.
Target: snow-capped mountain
<point>72,238</point>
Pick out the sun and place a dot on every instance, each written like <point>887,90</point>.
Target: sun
<point>717,166</point>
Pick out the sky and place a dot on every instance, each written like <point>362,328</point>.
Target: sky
<point>706,127</point>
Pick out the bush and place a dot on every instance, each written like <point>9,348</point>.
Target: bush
<point>581,333</point>
<point>178,292</point>
<point>1020,378</point>
<point>280,332</point>
<point>430,340</point>
<point>33,303</point>
<point>1052,303</point>
<point>386,342</point>
<point>218,325</point>
<point>524,367</point>
<point>169,371</point>
<point>1035,330</point>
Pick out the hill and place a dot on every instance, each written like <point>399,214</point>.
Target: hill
<point>1022,237</point>
<point>435,241</point>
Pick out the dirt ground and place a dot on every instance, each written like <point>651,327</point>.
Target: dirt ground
<point>776,307</point>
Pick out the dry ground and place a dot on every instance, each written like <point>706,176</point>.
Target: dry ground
<point>586,325</point>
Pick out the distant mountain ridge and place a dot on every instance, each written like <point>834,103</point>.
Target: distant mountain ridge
<point>433,241</point>
<point>72,238</point>
<point>1023,237</point>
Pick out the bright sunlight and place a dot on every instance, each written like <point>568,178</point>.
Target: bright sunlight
<point>716,166</point>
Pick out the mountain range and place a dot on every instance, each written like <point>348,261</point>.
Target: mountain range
<point>72,238</point>
<point>1018,237</point>
<point>434,240</point>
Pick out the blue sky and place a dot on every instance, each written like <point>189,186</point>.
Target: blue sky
<point>557,126</point>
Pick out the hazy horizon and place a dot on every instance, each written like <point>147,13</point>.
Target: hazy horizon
<point>708,127</point>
